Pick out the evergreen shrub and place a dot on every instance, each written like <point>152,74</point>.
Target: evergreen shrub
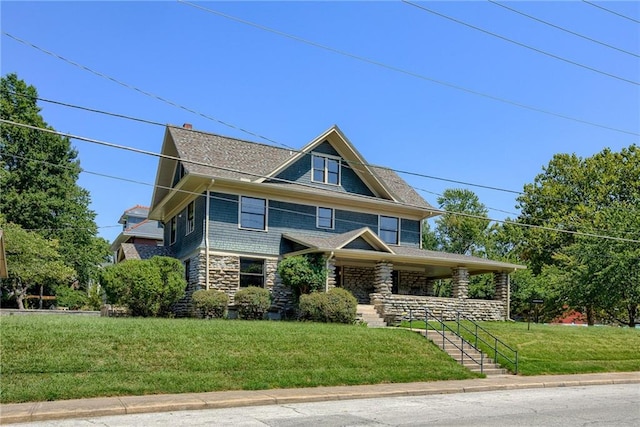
<point>252,303</point>
<point>210,304</point>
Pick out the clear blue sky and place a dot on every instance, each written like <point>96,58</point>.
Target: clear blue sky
<point>290,92</point>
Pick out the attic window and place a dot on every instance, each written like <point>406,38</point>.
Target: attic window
<point>325,169</point>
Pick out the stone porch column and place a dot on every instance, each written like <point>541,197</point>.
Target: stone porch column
<point>383,282</point>
<point>460,282</point>
<point>331,273</point>
<point>501,283</point>
<point>431,287</point>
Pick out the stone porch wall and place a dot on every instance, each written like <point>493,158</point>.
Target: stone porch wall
<point>395,308</point>
<point>359,281</point>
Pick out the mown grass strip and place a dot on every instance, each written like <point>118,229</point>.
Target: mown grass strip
<point>60,357</point>
<point>559,349</point>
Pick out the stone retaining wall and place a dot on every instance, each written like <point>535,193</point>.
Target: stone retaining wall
<point>395,308</point>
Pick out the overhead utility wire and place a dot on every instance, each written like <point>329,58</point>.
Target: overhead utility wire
<point>535,49</point>
<point>128,86</point>
<point>419,175</point>
<point>611,11</point>
<point>432,209</point>
<point>562,28</point>
<point>407,72</point>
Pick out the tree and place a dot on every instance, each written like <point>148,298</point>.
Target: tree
<point>595,195</point>
<point>32,262</point>
<point>458,233</point>
<point>147,287</point>
<point>303,273</point>
<point>38,177</point>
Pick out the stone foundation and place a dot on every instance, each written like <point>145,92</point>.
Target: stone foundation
<point>395,308</point>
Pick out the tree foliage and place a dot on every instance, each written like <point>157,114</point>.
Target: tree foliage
<point>594,195</point>
<point>38,176</point>
<point>149,288</point>
<point>303,273</point>
<point>32,261</point>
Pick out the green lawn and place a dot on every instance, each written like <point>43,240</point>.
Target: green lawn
<point>560,349</point>
<point>65,357</point>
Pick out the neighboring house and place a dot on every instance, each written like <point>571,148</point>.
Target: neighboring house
<point>3,258</point>
<point>141,238</point>
<point>233,209</point>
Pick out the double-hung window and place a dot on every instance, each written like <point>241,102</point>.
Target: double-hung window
<point>251,272</point>
<point>253,213</point>
<point>172,230</point>
<point>389,229</point>
<point>324,218</point>
<point>325,169</point>
<point>191,220</point>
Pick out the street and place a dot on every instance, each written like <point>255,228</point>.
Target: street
<point>608,405</point>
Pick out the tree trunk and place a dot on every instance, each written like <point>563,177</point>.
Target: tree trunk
<point>632,309</point>
<point>40,301</point>
<point>590,316</point>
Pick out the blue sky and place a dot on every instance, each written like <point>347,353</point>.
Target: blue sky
<point>290,91</point>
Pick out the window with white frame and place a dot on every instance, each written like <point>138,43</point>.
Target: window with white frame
<point>172,230</point>
<point>251,272</point>
<point>389,229</point>
<point>191,220</point>
<point>324,218</point>
<point>325,169</point>
<point>253,213</point>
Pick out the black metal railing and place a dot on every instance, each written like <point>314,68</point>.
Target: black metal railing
<point>441,329</point>
<point>503,354</point>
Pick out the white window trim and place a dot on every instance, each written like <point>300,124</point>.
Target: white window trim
<point>333,218</point>
<point>190,227</point>
<point>325,175</point>
<point>264,270</point>
<point>397,243</point>
<point>173,230</point>
<point>266,214</point>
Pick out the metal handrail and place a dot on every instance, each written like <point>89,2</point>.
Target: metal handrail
<point>445,338</point>
<point>496,341</point>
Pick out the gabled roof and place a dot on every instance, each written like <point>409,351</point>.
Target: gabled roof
<point>331,242</point>
<point>137,211</point>
<point>147,229</point>
<point>211,157</point>
<point>436,264</point>
<point>134,251</point>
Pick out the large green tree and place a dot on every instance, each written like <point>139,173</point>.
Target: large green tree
<point>32,262</point>
<point>597,195</point>
<point>39,174</point>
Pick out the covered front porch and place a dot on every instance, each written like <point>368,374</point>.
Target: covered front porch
<point>401,280</point>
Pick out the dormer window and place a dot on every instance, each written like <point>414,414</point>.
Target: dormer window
<point>325,169</point>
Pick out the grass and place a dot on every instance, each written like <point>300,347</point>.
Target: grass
<point>65,357</point>
<point>557,349</point>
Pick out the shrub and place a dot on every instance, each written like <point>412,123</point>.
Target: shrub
<point>211,303</point>
<point>252,302</point>
<point>147,287</point>
<point>303,273</point>
<point>336,306</point>
<point>70,298</point>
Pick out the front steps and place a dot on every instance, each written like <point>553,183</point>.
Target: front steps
<point>368,314</point>
<point>489,367</point>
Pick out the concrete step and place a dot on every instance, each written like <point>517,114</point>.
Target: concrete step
<point>369,315</point>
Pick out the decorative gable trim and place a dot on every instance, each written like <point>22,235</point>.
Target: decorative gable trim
<point>348,153</point>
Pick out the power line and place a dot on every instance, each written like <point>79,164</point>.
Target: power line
<point>551,55</point>
<point>611,11</point>
<point>562,28</point>
<point>397,69</point>
<point>434,210</point>
<point>143,92</point>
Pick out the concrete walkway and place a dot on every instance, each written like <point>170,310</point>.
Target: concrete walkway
<point>103,406</point>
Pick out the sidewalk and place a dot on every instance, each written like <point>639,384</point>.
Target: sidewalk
<point>103,406</point>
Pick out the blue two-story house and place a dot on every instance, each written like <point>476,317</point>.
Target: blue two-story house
<point>232,209</point>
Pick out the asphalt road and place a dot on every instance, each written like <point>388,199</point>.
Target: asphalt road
<point>608,405</point>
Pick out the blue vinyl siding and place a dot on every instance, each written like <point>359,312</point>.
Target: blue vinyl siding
<point>186,243</point>
<point>300,171</point>
<point>282,217</point>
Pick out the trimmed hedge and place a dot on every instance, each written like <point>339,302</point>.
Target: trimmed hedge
<point>253,303</point>
<point>210,304</point>
<point>336,306</point>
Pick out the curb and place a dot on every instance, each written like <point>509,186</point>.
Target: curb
<point>106,406</point>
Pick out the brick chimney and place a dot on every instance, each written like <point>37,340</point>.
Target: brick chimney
<point>187,126</point>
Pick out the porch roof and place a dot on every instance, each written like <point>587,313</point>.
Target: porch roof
<point>434,263</point>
